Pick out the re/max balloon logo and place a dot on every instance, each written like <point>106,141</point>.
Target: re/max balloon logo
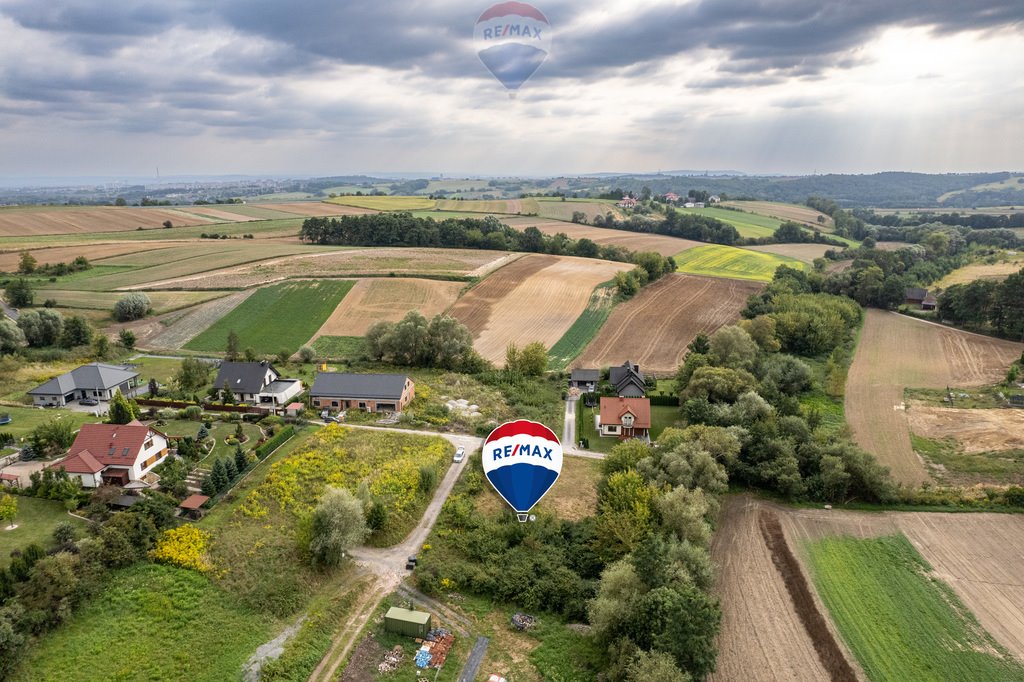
<point>522,460</point>
<point>513,39</point>
<point>512,31</point>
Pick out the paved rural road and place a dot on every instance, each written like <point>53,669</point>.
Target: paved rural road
<point>569,428</point>
<point>9,311</point>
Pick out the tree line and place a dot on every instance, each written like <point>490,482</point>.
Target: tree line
<point>986,305</point>
<point>404,229</point>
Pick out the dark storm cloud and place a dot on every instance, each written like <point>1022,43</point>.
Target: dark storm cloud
<point>96,17</point>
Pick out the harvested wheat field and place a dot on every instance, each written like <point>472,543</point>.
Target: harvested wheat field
<point>65,254</point>
<point>536,298</point>
<point>315,208</point>
<point>762,636</point>
<point>975,430</point>
<point>563,210</point>
<point>794,212</point>
<point>21,222</point>
<point>387,299</point>
<point>805,252</point>
<point>341,262</point>
<point>978,555</point>
<point>996,272</point>
<point>896,351</point>
<point>672,311</point>
<point>179,328</point>
<point>634,241</point>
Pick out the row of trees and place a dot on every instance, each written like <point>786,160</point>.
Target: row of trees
<point>650,267</point>
<point>28,265</point>
<point>986,305</point>
<point>404,229</point>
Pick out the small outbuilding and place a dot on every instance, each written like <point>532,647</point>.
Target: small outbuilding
<point>192,506</point>
<point>407,622</point>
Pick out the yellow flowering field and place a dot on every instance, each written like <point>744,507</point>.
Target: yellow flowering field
<point>184,547</point>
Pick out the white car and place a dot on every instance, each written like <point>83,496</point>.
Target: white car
<point>460,454</point>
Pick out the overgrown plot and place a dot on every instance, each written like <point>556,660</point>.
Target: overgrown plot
<point>283,316</point>
<point>733,263</point>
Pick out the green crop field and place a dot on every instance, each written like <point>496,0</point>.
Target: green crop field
<point>339,347</point>
<point>732,262</point>
<point>181,626</point>
<point>386,203</point>
<point>747,224</point>
<point>901,622</point>
<point>283,316</point>
<point>584,329</point>
<point>36,520</point>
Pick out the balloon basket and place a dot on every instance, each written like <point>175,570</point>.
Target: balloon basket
<point>523,517</point>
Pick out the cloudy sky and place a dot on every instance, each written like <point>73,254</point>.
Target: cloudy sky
<point>93,87</point>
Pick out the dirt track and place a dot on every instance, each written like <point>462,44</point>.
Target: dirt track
<point>536,298</point>
<point>671,312</point>
<point>896,351</point>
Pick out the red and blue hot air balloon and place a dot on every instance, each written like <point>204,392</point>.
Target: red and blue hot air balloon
<point>513,40</point>
<point>522,460</point>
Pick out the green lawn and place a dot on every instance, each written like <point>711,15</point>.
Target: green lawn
<point>151,622</point>
<point>900,621</point>
<point>729,261</point>
<point>339,347</point>
<point>161,369</point>
<point>662,417</point>
<point>747,224</point>
<point>25,419</point>
<point>585,328</point>
<point>36,520</point>
<point>282,316</point>
<point>219,431</point>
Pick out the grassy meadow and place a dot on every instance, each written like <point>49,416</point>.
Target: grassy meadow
<point>901,622</point>
<point>36,520</point>
<point>282,316</point>
<point>339,347</point>
<point>385,203</point>
<point>714,260</point>
<point>747,224</point>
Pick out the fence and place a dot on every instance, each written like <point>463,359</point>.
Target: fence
<point>209,407</point>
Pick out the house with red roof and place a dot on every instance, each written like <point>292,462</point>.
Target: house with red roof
<point>627,202</point>
<point>624,418</point>
<point>672,197</point>
<point>114,454</point>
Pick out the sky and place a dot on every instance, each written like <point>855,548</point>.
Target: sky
<point>318,87</point>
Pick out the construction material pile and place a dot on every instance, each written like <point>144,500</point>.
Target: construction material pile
<point>392,660</point>
<point>522,621</point>
<point>434,648</point>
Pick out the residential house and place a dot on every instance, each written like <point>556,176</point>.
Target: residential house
<point>672,197</point>
<point>624,418</point>
<point>627,202</point>
<point>337,391</point>
<point>114,454</point>
<point>914,295</point>
<point>627,380</point>
<point>689,204</point>
<point>929,302</point>
<point>256,383</point>
<point>97,381</point>
<point>585,379</point>
<point>714,199</point>
<point>698,204</point>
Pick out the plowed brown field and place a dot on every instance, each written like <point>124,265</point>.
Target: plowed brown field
<point>94,252</point>
<point>805,252</point>
<point>316,208</point>
<point>671,312</point>
<point>635,241</point>
<point>388,300</point>
<point>20,222</point>
<point>762,637</point>
<point>536,298</point>
<point>896,351</point>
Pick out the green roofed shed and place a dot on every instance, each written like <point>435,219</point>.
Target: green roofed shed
<point>406,622</point>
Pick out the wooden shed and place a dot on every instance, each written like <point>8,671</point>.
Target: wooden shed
<point>406,622</point>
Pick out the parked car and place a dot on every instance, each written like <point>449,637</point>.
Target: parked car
<point>410,563</point>
<point>88,401</point>
<point>460,454</point>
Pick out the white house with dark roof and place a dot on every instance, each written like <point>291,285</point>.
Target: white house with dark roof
<point>96,380</point>
<point>337,391</point>
<point>256,383</point>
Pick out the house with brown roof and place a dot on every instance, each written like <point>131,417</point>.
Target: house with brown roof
<point>627,202</point>
<point>624,418</point>
<point>114,454</point>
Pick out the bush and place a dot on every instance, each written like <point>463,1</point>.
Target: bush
<point>184,547</point>
<point>193,413</point>
<point>337,524</point>
<point>133,306</point>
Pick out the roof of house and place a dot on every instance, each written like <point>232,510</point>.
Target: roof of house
<point>930,300</point>
<point>79,463</point>
<point>294,406</point>
<point>244,377</point>
<point>9,477</point>
<point>626,375</point>
<point>194,501</point>
<point>342,385</point>
<point>915,293</point>
<point>612,410</point>
<point>95,375</point>
<point>581,374</point>
<point>110,444</point>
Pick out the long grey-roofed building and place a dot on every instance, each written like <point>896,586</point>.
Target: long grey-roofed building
<point>96,380</point>
<point>336,391</point>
